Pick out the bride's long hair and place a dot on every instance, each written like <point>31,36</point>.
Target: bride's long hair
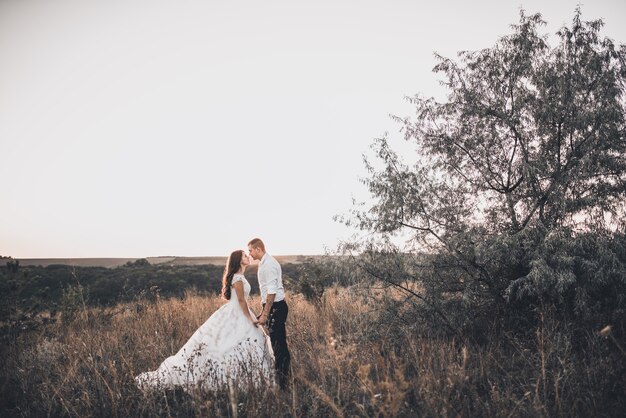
<point>232,266</point>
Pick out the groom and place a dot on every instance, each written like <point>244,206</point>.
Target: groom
<point>275,308</point>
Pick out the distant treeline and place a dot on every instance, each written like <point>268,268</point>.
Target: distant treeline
<point>36,288</point>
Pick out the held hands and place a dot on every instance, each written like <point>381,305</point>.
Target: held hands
<point>262,319</point>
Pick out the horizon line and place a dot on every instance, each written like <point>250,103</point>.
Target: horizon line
<point>150,256</point>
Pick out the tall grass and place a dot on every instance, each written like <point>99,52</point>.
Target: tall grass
<point>346,361</point>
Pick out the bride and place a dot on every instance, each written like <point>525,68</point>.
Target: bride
<point>229,347</point>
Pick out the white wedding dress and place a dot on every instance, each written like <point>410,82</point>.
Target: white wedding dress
<point>226,349</point>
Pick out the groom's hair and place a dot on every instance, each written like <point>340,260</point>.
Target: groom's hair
<point>257,243</point>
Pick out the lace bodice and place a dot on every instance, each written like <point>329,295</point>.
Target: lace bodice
<point>246,286</point>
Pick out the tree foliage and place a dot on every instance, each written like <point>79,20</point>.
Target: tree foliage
<point>517,187</point>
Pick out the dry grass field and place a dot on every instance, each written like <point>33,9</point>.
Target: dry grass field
<point>347,361</point>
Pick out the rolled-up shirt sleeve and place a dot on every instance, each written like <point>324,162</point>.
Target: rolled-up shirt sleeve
<point>272,279</point>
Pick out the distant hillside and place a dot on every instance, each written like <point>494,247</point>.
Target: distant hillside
<point>166,260</point>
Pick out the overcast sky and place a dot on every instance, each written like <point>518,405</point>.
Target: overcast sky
<point>142,128</point>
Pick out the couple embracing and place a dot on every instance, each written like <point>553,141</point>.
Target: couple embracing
<point>232,346</point>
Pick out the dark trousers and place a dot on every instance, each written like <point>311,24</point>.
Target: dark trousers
<point>278,335</point>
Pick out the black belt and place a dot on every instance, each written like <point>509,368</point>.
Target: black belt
<point>280,302</point>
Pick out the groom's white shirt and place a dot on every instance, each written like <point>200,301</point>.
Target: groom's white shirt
<point>270,278</point>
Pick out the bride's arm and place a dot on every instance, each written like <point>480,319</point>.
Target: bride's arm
<point>242,301</point>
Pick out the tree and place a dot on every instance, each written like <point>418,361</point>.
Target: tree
<point>517,189</point>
